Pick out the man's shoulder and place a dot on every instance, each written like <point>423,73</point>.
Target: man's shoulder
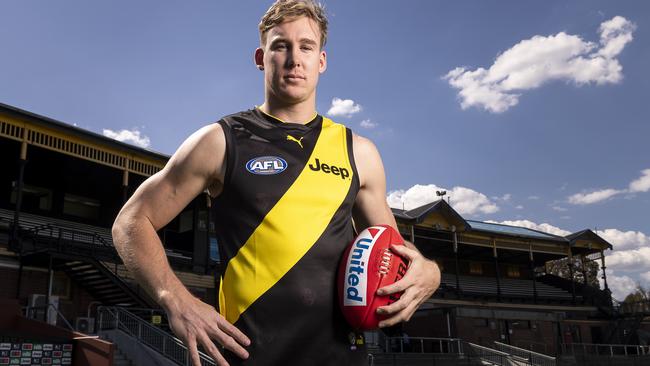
<point>362,144</point>
<point>237,117</point>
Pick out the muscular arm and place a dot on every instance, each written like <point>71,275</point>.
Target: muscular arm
<point>198,164</point>
<point>371,208</point>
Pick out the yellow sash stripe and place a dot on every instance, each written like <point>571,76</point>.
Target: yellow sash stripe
<point>290,228</point>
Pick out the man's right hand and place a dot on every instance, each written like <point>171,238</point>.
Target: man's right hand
<point>196,322</point>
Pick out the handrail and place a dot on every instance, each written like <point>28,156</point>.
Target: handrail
<point>147,334</point>
<point>609,349</point>
<point>38,228</point>
<point>534,358</point>
<point>492,356</point>
<point>410,344</point>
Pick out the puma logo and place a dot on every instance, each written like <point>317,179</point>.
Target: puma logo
<point>299,142</point>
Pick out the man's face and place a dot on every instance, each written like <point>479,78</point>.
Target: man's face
<point>292,60</point>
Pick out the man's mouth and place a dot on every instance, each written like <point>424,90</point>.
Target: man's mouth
<point>294,77</point>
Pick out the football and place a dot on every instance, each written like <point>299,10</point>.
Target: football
<point>367,265</point>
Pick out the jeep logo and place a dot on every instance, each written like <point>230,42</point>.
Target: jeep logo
<point>316,166</point>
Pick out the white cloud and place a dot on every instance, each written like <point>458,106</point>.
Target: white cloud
<point>559,208</point>
<point>629,260</point>
<point>631,256</point>
<point>621,286</point>
<point>533,62</point>
<point>519,207</point>
<point>646,276</point>
<point>547,228</point>
<point>505,198</point>
<point>534,198</point>
<point>464,200</point>
<point>622,240</point>
<point>343,108</point>
<point>368,124</point>
<point>642,184</point>
<point>129,136</point>
<point>593,197</point>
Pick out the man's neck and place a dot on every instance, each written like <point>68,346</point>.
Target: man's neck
<point>301,113</point>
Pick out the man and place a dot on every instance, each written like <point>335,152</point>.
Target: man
<point>285,182</point>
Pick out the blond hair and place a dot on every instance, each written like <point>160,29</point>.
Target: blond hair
<point>284,10</point>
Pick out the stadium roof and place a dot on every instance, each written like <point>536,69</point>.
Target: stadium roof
<point>510,230</point>
<point>417,215</point>
<point>76,131</point>
<point>588,235</point>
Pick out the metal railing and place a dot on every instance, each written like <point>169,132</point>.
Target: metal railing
<point>75,235</point>
<point>422,345</point>
<point>534,358</point>
<point>492,356</point>
<point>158,340</point>
<point>605,349</point>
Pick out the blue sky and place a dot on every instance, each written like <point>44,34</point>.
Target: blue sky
<point>545,118</point>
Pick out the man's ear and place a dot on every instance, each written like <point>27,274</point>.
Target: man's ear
<point>259,58</point>
<point>323,62</point>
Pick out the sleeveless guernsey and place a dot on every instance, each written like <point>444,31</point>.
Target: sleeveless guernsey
<point>283,220</point>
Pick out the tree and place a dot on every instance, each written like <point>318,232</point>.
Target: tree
<point>640,294</point>
<point>560,268</point>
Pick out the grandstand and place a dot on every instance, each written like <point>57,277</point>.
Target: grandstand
<point>63,186</point>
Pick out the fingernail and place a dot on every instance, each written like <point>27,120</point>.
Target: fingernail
<point>380,292</point>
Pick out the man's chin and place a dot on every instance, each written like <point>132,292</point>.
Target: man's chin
<point>292,97</point>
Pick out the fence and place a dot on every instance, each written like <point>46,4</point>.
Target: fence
<point>147,334</point>
<point>534,358</point>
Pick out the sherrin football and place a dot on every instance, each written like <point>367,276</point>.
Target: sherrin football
<point>367,265</point>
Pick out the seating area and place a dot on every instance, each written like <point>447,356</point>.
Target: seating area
<point>509,287</point>
<point>34,222</point>
<point>70,230</point>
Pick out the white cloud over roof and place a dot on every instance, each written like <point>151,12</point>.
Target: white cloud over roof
<point>464,200</point>
<point>547,228</point>
<point>133,137</point>
<point>534,62</point>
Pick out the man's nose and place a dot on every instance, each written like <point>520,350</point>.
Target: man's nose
<point>294,57</point>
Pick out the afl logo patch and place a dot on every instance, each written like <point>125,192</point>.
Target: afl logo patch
<point>266,165</point>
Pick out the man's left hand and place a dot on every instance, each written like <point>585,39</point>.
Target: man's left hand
<point>418,284</point>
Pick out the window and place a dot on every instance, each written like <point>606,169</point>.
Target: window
<point>513,271</point>
<point>521,324</point>
<point>79,206</point>
<point>61,285</point>
<point>34,198</point>
<point>475,268</point>
<point>214,249</point>
<point>185,221</point>
<point>480,322</point>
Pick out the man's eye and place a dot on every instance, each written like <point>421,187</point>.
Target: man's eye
<point>306,48</point>
<point>280,46</point>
